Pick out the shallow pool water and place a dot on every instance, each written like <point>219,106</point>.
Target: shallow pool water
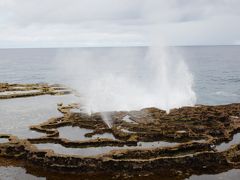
<point>16,173</point>
<point>78,134</point>
<point>233,174</point>
<point>75,110</point>
<point>128,119</point>
<point>16,115</point>
<point>127,131</point>
<point>224,146</point>
<point>20,173</point>
<point>4,140</point>
<point>93,151</point>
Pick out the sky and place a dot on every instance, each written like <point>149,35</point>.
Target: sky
<point>81,23</point>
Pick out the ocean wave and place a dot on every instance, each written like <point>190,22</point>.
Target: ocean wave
<point>227,94</point>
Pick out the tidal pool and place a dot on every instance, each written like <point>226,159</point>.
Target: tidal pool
<point>226,145</point>
<point>78,134</point>
<point>93,151</point>
<point>16,173</point>
<point>4,140</point>
<point>128,119</point>
<point>233,174</point>
<point>17,114</point>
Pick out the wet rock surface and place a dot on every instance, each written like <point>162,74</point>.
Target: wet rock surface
<point>8,91</point>
<point>150,141</point>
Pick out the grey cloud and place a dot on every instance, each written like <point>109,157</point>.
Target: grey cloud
<point>73,11</point>
<point>100,22</point>
<point>76,11</point>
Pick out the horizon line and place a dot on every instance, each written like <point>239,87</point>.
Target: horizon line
<point>127,46</point>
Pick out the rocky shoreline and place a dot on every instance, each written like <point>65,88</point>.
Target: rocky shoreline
<point>192,136</point>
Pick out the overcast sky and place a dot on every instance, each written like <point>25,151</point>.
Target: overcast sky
<point>72,23</point>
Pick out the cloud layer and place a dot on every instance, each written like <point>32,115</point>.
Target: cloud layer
<point>44,23</point>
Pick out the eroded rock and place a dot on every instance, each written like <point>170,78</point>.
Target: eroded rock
<point>194,132</point>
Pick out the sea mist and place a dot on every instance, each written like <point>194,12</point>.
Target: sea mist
<point>131,78</point>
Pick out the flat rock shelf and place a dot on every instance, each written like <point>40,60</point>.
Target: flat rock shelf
<point>185,141</point>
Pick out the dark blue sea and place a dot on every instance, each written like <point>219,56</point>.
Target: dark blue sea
<point>216,69</point>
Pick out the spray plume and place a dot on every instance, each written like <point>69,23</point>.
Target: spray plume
<point>113,79</point>
<point>128,78</point>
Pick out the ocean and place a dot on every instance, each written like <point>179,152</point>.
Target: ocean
<point>215,69</point>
